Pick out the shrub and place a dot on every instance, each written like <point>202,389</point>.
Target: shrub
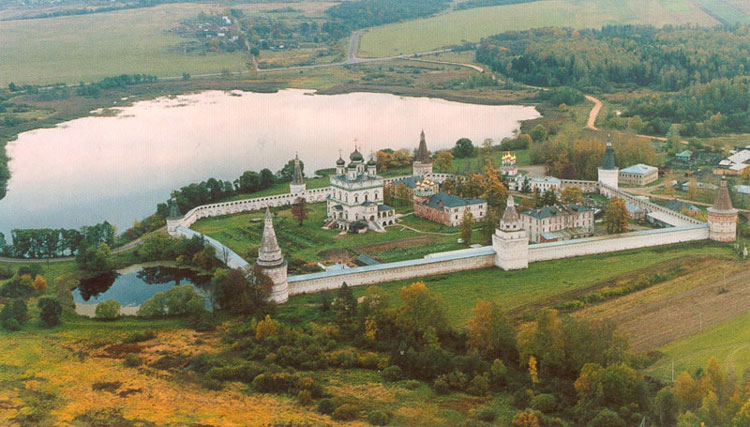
<point>51,310</point>
<point>132,360</point>
<point>326,406</point>
<point>521,398</point>
<point>346,412</point>
<point>479,386</point>
<point>441,386</point>
<point>457,380</point>
<point>39,284</point>
<point>392,373</point>
<point>606,418</point>
<point>487,415</point>
<point>378,418</point>
<point>304,397</point>
<point>107,310</point>
<point>543,402</point>
<point>141,336</point>
<point>245,372</point>
<point>11,324</point>
<point>174,302</point>
<point>16,311</point>
<point>20,286</point>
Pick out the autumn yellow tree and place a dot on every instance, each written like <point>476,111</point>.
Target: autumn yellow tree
<point>40,283</point>
<point>527,418</point>
<point>489,333</point>
<point>467,226</point>
<point>444,161</point>
<point>571,194</point>
<point>617,216</point>
<point>266,328</point>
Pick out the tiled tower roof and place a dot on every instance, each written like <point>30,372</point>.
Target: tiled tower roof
<point>269,254</point>
<point>723,202</point>
<point>423,155</point>
<point>608,162</point>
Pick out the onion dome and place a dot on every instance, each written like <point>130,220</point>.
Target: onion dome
<point>372,161</point>
<point>356,156</point>
<point>352,166</point>
<point>340,162</point>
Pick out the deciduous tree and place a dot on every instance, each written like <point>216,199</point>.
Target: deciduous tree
<point>617,216</point>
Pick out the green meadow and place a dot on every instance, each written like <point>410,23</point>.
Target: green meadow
<point>471,25</point>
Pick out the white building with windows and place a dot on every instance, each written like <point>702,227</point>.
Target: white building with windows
<point>355,202</point>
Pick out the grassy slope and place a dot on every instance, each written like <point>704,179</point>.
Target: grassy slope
<point>728,342</point>
<point>542,280</point>
<point>473,24</point>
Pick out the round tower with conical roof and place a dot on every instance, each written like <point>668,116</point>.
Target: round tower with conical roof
<point>608,174</point>
<point>298,182</point>
<point>272,262</point>
<point>722,217</point>
<point>510,241</point>
<point>422,162</point>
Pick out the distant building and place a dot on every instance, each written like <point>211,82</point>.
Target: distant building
<point>508,166</point>
<point>356,199</point>
<point>685,156</point>
<point>639,174</point>
<point>422,162</point>
<point>577,220</point>
<point>444,208</point>
<point>636,212</point>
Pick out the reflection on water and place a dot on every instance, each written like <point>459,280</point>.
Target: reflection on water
<point>118,168</point>
<point>133,288</point>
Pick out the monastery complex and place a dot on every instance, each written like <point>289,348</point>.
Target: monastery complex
<point>355,203</point>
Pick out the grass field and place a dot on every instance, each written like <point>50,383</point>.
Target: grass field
<point>729,11</point>
<point>471,25</point>
<point>541,281</point>
<point>89,47</point>
<point>728,342</point>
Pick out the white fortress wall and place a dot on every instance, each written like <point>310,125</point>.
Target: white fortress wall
<point>616,242</point>
<point>448,263</point>
<point>223,253</point>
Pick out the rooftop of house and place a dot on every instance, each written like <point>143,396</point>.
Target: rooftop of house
<point>686,153</point>
<point>445,200</point>
<point>640,169</point>
<point>552,211</point>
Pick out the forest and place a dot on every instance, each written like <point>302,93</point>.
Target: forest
<point>371,13</point>
<point>698,74</point>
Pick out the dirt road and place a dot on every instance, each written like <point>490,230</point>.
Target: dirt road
<point>591,123</point>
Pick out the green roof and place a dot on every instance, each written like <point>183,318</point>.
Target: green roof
<point>446,200</point>
<point>551,211</point>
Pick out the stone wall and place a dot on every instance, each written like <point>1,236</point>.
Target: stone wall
<point>616,242</point>
<point>404,270</point>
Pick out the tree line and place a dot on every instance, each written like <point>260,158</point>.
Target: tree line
<point>51,243</point>
<point>370,13</point>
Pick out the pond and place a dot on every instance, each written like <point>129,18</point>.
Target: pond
<point>132,286</point>
<point>117,168</point>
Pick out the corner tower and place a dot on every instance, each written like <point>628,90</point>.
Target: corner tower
<point>608,174</point>
<point>298,183</point>
<point>510,241</point>
<point>272,262</point>
<point>423,162</point>
<point>722,217</point>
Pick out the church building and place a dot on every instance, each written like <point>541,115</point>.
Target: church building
<point>356,199</point>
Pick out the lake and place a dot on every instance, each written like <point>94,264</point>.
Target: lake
<point>117,168</point>
<point>132,286</point>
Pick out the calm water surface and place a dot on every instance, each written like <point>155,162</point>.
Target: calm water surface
<point>118,168</point>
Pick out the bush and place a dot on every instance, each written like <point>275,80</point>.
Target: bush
<point>412,384</point>
<point>326,406</point>
<point>479,386</point>
<point>606,418</point>
<point>50,311</point>
<point>521,398</point>
<point>11,324</point>
<point>487,415</point>
<point>132,360</point>
<point>346,412</point>
<point>392,373</point>
<point>304,397</point>
<point>141,336</point>
<point>378,418</point>
<point>245,372</point>
<point>441,386</point>
<point>544,402</point>
<point>108,310</point>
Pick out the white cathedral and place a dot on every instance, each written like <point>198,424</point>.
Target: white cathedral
<point>356,199</point>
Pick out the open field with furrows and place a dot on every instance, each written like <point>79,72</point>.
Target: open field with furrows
<point>708,291</point>
<point>471,25</point>
<point>728,342</point>
<point>90,47</point>
<point>312,244</point>
<point>548,283</point>
<point>728,11</point>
